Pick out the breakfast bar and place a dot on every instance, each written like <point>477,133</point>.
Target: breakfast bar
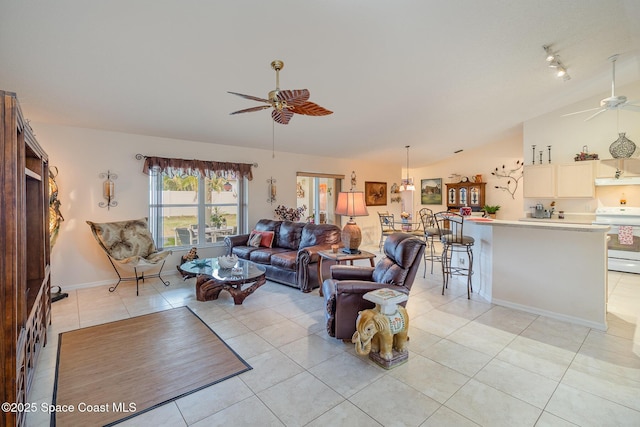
<point>551,269</point>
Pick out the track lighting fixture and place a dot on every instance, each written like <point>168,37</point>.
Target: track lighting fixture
<point>553,60</point>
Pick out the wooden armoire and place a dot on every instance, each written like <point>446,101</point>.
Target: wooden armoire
<point>25,284</point>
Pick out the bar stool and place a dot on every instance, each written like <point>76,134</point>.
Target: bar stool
<point>431,234</point>
<point>453,241</point>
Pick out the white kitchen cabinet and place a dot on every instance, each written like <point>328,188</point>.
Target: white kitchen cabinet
<point>539,181</point>
<point>575,179</point>
<point>569,180</point>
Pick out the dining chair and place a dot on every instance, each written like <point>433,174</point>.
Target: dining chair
<point>450,226</point>
<point>431,235</point>
<point>387,227</point>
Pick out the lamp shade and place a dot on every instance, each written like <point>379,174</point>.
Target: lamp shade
<point>351,204</point>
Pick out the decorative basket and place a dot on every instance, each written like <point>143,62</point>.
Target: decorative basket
<point>227,261</point>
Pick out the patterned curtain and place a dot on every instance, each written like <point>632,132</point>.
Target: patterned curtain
<point>210,169</point>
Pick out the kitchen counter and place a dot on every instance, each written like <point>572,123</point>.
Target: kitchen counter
<point>558,224</point>
<point>548,268</point>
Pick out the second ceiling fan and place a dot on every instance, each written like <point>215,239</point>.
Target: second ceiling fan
<point>285,103</point>
<point>613,102</point>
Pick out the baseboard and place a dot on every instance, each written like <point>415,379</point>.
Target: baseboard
<point>110,282</point>
<point>571,319</point>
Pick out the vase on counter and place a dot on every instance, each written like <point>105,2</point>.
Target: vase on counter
<point>622,147</point>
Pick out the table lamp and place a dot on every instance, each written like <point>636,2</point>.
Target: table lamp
<point>351,204</point>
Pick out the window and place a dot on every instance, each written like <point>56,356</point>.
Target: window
<point>195,202</point>
<point>190,210</point>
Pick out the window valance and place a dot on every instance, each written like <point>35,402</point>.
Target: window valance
<point>210,169</point>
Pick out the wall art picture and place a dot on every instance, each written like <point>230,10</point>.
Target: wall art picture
<point>375,193</point>
<point>431,191</point>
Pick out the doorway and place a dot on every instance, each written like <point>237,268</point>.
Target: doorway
<point>318,192</point>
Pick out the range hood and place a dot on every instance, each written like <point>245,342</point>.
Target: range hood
<point>632,180</point>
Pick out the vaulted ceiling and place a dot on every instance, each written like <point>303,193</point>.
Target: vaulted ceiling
<point>438,75</point>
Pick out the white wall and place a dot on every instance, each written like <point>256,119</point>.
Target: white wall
<point>482,161</point>
<point>81,154</point>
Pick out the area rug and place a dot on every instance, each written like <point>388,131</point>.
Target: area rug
<point>114,371</point>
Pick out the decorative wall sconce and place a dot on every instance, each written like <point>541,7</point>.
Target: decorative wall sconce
<point>108,190</point>
<point>271,187</point>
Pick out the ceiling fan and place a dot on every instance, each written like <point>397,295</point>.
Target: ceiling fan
<point>285,103</point>
<point>613,102</point>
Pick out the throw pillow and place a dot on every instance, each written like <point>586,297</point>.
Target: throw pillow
<point>265,239</point>
<point>254,239</point>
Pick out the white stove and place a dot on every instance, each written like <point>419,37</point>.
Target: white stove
<point>623,256</point>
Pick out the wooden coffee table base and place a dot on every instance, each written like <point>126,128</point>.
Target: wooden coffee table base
<point>208,289</point>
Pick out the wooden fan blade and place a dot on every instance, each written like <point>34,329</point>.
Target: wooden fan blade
<point>282,116</point>
<point>249,110</point>
<point>254,98</point>
<point>294,97</point>
<point>311,109</point>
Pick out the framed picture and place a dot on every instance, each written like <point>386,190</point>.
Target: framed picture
<point>431,191</point>
<point>375,193</point>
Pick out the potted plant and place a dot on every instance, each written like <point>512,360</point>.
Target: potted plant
<point>490,210</point>
<point>217,217</point>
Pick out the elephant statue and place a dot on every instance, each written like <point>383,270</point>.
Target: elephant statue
<point>381,333</point>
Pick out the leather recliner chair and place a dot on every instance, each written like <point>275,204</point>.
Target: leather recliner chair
<point>344,290</point>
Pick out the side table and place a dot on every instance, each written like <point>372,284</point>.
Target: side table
<point>340,257</point>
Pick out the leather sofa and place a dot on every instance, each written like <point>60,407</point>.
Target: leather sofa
<point>347,284</point>
<point>292,256</point>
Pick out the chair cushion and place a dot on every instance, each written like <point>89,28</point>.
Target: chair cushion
<point>124,239</point>
<point>319,234</point>
<point>290,234</point>
<point>286,260</point>
<point>451,239</point>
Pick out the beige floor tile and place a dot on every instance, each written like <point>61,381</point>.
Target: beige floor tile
<point>345,414</point>
<point>282,333</point>
<point>556,333</point>
<point>431,378</point>
<point>525,385</point>
<point>439,323</point>
<point>407,407</point>
<point>249,412</point>
<point>201,404</point>
<point>165,416</point>
<point>482,338</point>
<point>540,358</point>
<point>488,406</point>
<point>347,374</point>
<point>507,319</point>
<point>311,350</point>
<point>269,369</point>
<point>445,417</point>
<point>550,420</point>
<point>299,399</point>
<point>249,345</point>
<point>586,409</point>
<point>458,357</point>
<point>616,388</point>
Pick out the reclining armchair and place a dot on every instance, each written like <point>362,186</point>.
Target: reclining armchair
<point>129,244</point>
<point>344,290</point>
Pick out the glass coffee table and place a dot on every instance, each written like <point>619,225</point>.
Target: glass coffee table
<point>211,279</point>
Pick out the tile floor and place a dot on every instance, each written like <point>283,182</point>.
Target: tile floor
<point>471,363</point>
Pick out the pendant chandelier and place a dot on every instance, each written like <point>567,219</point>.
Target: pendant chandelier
<point>408,184</point>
